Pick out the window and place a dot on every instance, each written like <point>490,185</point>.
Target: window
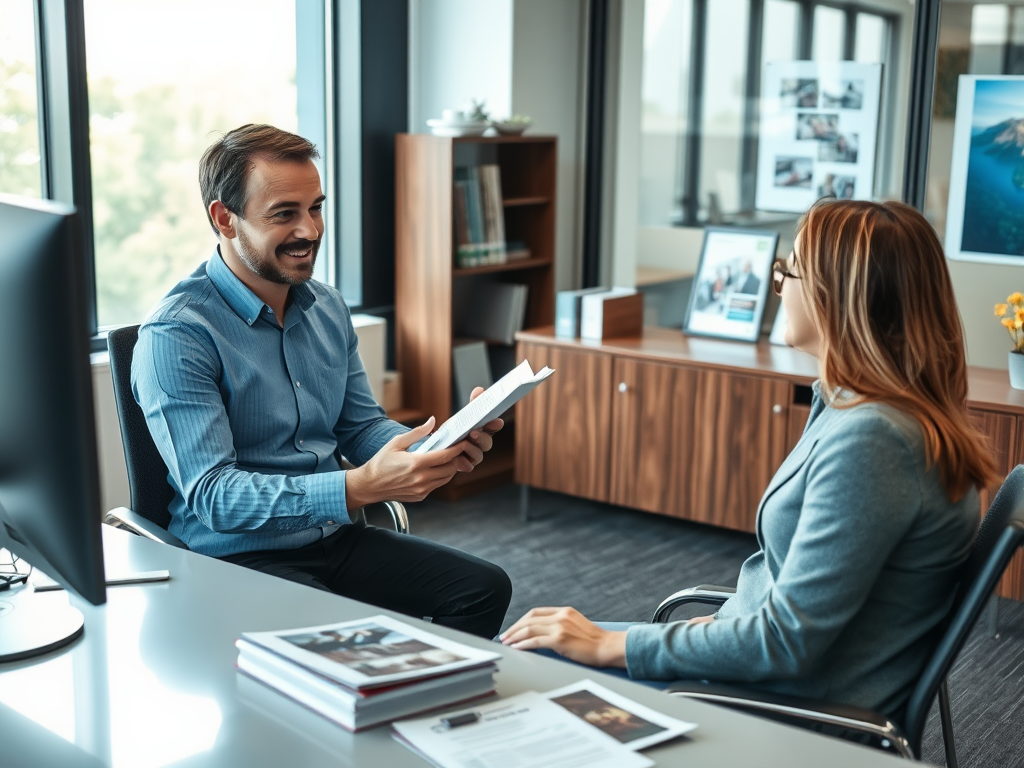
<point>155,105</point>
<point>701,75</point>
<point>20,167</point>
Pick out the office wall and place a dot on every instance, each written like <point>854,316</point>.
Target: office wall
<point>458,50</point>
<point>548,80</point>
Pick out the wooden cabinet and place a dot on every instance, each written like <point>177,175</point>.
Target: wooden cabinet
<point>695,428</point>
<point>562,427</point>
<point>674,424</point>
<point>428,283</point>
<point>682,440</point>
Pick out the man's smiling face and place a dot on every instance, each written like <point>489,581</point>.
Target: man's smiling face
<point>279,235</point>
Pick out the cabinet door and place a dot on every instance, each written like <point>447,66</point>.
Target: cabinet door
<point>563,426</point>
<point>697,444</point>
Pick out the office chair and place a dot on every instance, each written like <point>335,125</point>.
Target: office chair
<point>1000,535</point>
<point>147,473</point>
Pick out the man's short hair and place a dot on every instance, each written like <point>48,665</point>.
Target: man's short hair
<point>224,167</point>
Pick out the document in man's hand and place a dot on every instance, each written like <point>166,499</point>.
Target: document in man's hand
<point>494,401</point>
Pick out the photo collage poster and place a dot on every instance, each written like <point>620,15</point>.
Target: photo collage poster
<point>819,128</point>
<point>985,217</point>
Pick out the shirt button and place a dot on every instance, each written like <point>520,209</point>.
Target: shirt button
<point>330,522</point>
<point>298,384</point>
<point>302,442</point>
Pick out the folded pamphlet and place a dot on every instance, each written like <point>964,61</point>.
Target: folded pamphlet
<point>494,401</point>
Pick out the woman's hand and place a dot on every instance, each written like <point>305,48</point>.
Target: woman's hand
<point>568,632</point>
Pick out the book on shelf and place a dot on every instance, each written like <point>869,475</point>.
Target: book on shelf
<point>471,368</point>
<point>494,401</point>
<point>479,216</point>
<point>490,310</point>
<point>369,671</point>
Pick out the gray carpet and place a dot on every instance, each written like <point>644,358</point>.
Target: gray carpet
<point>615,564</point>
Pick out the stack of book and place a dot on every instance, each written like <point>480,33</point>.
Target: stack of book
<point>479,216</point>
<point>367,672</point>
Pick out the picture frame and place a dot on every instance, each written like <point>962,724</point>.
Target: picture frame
<point>984,218</point>
<point>730,289</point>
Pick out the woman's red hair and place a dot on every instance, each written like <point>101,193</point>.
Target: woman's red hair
<point>875,279</point>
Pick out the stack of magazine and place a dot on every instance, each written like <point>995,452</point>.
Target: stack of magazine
<point>369,671</point>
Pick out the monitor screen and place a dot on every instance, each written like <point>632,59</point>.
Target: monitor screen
<point>49,478</point>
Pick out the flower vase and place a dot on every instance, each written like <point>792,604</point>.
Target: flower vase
<point>1016,367</point>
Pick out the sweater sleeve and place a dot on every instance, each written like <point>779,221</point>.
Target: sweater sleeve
<point>861,496</point>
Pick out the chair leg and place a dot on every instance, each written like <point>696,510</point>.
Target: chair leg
<point>992,616</point>
<point>524,503</point>
<point>946,716</point>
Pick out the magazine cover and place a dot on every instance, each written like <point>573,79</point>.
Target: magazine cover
<point>372,652</point>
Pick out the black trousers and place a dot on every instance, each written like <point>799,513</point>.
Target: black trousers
<point>396,571</point>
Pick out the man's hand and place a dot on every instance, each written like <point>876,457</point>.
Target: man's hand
<point>481,440</point>
<point>568,632</point>
<point>395,474</point>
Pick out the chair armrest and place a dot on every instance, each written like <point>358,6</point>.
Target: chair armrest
<point>705,593</point>
<point>798,710</point>
<point>124,518</point>
<point>398,515</point>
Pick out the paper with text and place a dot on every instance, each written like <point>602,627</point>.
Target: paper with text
<point>494,401</point>
<point>524,731</point>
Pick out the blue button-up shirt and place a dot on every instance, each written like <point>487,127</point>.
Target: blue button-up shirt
<point>250,416</point>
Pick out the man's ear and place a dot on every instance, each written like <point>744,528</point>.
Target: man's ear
<point>223,219</point>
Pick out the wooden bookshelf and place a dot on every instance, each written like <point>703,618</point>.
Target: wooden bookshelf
<point>426,276</point>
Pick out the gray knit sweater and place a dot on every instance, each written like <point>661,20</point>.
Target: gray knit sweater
<point>860,552</point>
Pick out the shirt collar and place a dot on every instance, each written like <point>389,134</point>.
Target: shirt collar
<point>246,304</point>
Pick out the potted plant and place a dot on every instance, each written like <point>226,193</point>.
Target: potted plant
<point>1012,314</point>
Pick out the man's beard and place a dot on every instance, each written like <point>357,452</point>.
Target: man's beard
<point>269,269</point>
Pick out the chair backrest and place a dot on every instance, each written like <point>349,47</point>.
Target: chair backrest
<point>1000,535</point>
<point>147,473</point>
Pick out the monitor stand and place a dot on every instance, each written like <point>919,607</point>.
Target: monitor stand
<point>32,624</point>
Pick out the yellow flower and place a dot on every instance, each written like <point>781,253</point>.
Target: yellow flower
<point>1000,310</point>
<point>1008,322</point>
<point>1015,298</point>
<point>1019,314</point>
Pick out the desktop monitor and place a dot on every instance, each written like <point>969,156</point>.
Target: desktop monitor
<point>49,478</point>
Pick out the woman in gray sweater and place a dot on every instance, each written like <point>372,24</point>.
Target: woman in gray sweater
<point>865,526</point>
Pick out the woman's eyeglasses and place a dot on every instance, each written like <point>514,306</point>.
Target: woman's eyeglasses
<point>779,274</point>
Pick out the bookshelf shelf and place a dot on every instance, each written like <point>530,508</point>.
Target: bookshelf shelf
<point>431,293</point>
<point>508,266</point>
<point>513,202</point>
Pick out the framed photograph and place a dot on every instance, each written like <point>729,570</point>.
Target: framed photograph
<point>731,287</point>
<point>985,218</point>
<point>819,125</point>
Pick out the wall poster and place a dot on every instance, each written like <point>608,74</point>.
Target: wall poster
<point>819,127</point>
<point>985,218</point>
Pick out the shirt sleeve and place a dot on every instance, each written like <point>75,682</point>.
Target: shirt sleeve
<point>175,379</point>
<point>363,428</point>
<point>862,494</point>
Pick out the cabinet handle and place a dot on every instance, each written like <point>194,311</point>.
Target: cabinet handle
<point>776,409</point>
<point>623,387</point>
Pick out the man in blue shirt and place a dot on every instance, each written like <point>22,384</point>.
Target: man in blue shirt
<point>253,389</point>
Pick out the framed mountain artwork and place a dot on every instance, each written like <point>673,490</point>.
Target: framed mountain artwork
<point>985,218</point>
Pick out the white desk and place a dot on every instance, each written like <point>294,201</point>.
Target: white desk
<point>153,683</point>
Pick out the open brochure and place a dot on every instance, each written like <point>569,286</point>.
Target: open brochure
<point>633,725</point>
<point>494,401</point>
<point>372,652</point>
